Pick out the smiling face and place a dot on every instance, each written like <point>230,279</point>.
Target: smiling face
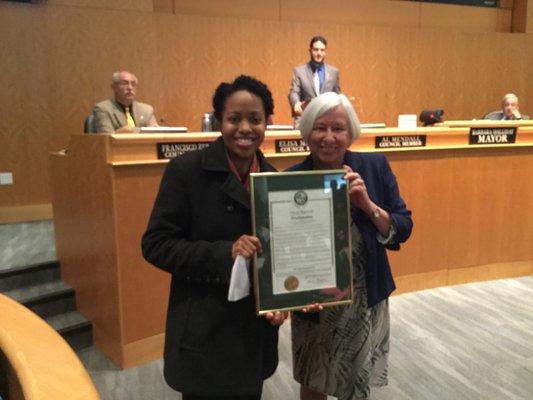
<point>318,51</point>
<point>243,127</point>
<point>125,88</point>
<point>329,139</point>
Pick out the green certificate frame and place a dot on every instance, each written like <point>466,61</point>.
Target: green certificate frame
<point>303,222</point>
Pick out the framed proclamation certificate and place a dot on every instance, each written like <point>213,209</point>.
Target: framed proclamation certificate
<point>303,222</point>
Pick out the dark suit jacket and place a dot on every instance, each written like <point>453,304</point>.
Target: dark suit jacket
<point>383,190</point>
<point>212,346</point>
<point>302,87</point>
<point>498,115</point>
<point>109,116</point>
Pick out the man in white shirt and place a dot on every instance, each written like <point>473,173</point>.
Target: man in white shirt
<point>313,78</point>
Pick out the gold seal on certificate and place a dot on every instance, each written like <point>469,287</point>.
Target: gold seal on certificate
<point>291,283</point>
<point>302,220</point>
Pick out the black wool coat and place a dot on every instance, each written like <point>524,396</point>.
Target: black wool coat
<point>212,347</point>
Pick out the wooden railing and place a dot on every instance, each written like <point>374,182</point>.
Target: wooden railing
<point>41,365</point>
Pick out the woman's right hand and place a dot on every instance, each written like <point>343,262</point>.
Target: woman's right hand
<point>246,246</point>
<point>277,317</point>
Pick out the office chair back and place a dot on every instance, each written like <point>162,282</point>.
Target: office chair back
<point>88,126</point>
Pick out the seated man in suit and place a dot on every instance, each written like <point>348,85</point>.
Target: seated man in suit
<point>122,114</point>
<point>313,78</point>
<point>510,109</point>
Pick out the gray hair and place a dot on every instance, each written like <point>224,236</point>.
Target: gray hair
<point>509,96</point>
<point>116,76</point>
<point>321,105</point>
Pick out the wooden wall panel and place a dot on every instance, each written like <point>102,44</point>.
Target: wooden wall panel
<point>131,5</point>
<point>474,223</point>
<point>529,23</point>
<point>380,12</point>
<point>466,19</point>
<point>166,6</point>
<point>423,179</point>
<point>519,16</point>
<point>361,12</point>
<point>487,222</point>
<point>53,72</point>
<point>79,220</point>
<point>133,187</point>
<point>251,9</point>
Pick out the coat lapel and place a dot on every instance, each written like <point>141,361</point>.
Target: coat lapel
<point>118,115</point>
<point>137,114</point>
<point>236,190</point>
<point>327,74</point>
<point>214,159</point>
<point>353,160</point>
<point>309,73</point>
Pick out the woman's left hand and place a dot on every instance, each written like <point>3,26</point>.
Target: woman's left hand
<point>357,189</point>
<point>312,308</point>
<point>359,197</point>
<point>277,317</point>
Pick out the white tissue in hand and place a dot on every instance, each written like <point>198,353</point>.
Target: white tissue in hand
<point>239,286</point>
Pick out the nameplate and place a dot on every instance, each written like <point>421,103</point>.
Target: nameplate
<point>291,146</point>
<point>173,149</point>
<point>492,135</point>
<point>387,142</point>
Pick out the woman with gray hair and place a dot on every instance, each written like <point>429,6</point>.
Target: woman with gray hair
<point>341,351</point>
